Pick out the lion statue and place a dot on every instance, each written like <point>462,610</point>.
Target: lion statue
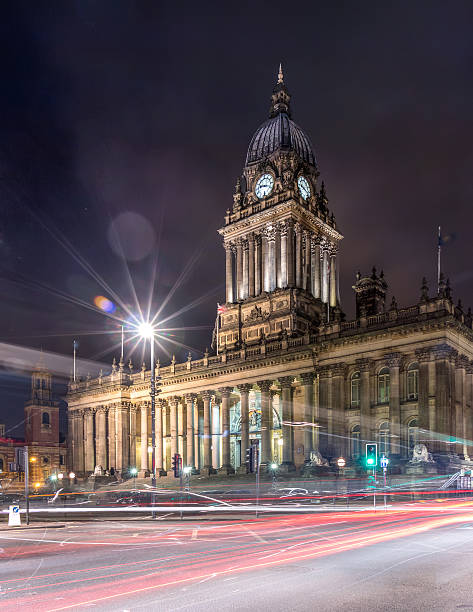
<point>420,454</point>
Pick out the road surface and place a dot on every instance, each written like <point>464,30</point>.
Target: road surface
<point>413,557</point>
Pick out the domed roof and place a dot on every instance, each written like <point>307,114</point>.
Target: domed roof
<point>279,132</point>
<point>276,133</point>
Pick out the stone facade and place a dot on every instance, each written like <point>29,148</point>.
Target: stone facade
<point>289,372</point>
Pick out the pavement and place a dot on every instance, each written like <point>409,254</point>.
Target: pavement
<point>417,556</point>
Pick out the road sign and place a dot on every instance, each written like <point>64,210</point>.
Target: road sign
<point>384,461</point>
<point>14,517</point>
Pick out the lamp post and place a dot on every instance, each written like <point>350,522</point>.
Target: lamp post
<point>146,331</point>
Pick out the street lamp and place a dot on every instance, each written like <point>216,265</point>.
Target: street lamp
<point>134,472</point>
<point>146,331</point>
<point>341,462</point>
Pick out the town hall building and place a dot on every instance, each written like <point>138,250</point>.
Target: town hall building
<point>289,373</point>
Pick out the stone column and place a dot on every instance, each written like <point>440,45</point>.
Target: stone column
<point>298,255</point>
<point>324,407</point>
<point>226,465</point>
<point>144,441</point>
<point>239,269</point>
<point>393,361</point>
<point>100,439</point>
<point>315,254</point>
<point>287,420</point>
<point>468,452</point>
<point>190,398</point>
<point>207,468</point>
<point>325,279</point>
<point>89,444</point>
<point>266,422</point>
<point>197,434</point>
<point>277,255</point>
<point>245,432</point>
<point>423,357</point>
<point>257,265</point>
<point>159,440</point>
<point>271,259</point>
<point>79,465</point>
<point>307,263</point>
<point>229,273</point>
<point>283,239</point>
<point>460,366</point>
<point>364,365</point>
<point>307,379</point>
<point>251,265</point>
<point>132,437</point>
<point>339,429</point>
<point>265,268</point>
<point>112,440</point>
<point>444,394</point>
<point>291,279</point>
<point>245,273</point>
<point>333,278</point>
<point>122,433</point>
<point>181,432</point>
<point>173,402</point>
<point>215,433</point>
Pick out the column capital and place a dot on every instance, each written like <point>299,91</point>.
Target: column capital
<point>225,391</point>
<point>307,378</point>
<point>286,382</point>
<point>444,351</point>
<point>174,399</point>
<point>339,369</point>
<point>393,360</point>
<point>206,395</point>
<point>102,409</point>
<point>423,354</point>
<point>469,367</point>
<point>461,362</point>
<point>265,385</point>
<point>190,397</point>
<point>245,387</point>
<point>324,371</point>
<point>364,364</point>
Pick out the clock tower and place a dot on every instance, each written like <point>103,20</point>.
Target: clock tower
<point>280,239</point>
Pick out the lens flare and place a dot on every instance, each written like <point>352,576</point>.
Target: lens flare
<point>104,304</point>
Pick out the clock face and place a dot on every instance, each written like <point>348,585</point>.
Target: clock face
<point>264,186</point>
<point>304,187</point>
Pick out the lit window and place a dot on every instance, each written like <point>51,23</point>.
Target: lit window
<point>383,386</point>
<point>355,389</point>
<point>413,381</point>
<point>412,434</point>
<point>383,438</point>
<point>355,441</point>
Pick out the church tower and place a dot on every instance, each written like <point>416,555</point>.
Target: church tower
<point>280,240</point>
<point>41,412</point>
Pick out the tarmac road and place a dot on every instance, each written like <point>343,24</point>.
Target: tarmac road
<point>414,557</point>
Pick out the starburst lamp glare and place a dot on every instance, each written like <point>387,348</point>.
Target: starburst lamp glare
<point>145,330</point>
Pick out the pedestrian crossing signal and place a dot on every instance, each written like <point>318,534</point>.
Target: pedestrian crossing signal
<point>371,455</point>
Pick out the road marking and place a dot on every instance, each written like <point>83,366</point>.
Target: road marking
<point>256,535</point>
<point>194,534</point>
<point>207,578</point>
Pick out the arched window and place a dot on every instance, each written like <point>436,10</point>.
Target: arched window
<point>45,418</point>
<point>412,434</point>
<point>383,386</point>
<point>383,438</point>
<point>413,381</point>
<point>355,441</point>
<point>355,389</point>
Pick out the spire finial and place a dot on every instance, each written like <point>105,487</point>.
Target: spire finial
<point>280,75</point>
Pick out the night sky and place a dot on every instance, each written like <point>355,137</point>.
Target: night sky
<point>125,124</point>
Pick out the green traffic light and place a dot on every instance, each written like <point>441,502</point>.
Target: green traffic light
<point>370,461</point>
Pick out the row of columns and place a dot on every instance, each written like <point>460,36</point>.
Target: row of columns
<point>279,256</point>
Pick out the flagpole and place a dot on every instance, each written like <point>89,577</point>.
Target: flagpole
<point>122,346</point>
<point>218,324</point>
<point>74,367</point>
<point>439,248</point>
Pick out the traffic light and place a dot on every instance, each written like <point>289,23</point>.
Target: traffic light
<point>177,465</point>
<point>371,455</point>
<point>250,459</point>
